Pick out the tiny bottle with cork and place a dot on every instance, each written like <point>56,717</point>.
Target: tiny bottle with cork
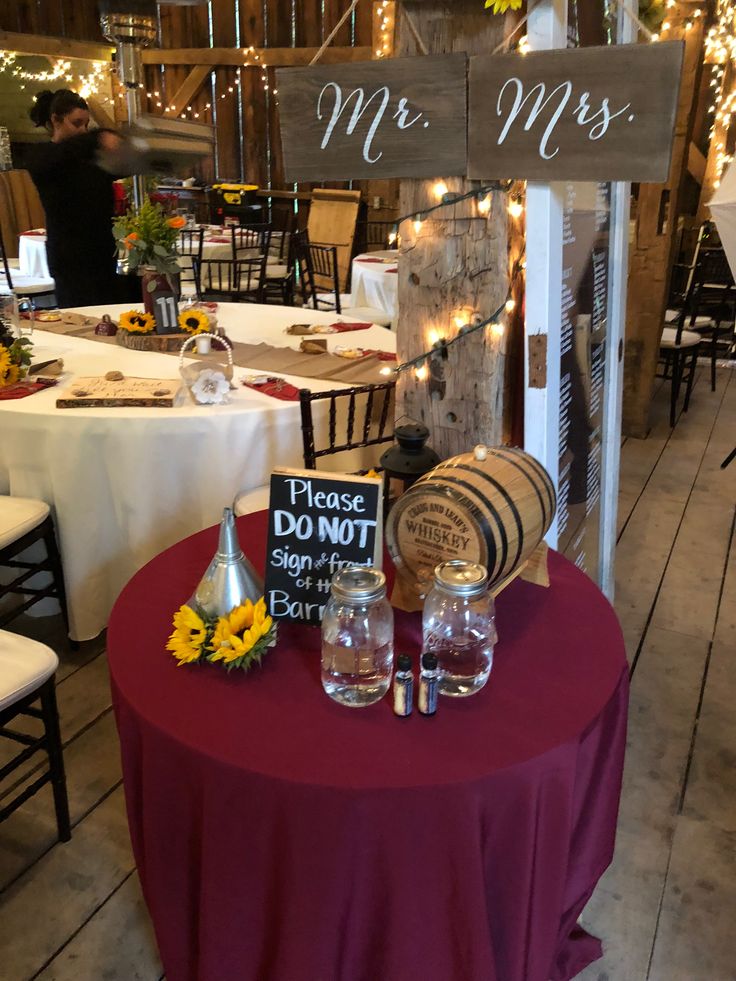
<point>403,686</point>
<point>428,680</point>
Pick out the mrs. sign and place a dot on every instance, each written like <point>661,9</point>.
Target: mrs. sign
<point>579,114</point>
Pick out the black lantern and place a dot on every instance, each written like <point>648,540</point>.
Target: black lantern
<point>410,459</point>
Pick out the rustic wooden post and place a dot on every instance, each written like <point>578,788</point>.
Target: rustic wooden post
<point>652,251</point>
<point>456,265</point>
<point>719,145</point>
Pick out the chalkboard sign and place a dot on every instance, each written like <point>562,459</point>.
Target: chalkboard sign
<point>317,524</point>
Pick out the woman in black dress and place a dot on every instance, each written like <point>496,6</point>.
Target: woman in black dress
<point>77,196</point>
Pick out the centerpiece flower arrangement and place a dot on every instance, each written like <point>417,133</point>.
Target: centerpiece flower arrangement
<point>149,238</point>
<point>238,640</point>
<point>15,356</point>
<point>226,621</point>
<point>137,322</point>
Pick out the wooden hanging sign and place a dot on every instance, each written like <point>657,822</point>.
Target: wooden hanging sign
<point>403,117</point>
<point>605,113</point>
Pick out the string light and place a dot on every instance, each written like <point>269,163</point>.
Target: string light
<point>440,189</point>
<point>484,205</point>
<point>87,84</point>
<point>417,225</point>
<point>516,208</point>
<point>439,344</point>
<point>385,20</point>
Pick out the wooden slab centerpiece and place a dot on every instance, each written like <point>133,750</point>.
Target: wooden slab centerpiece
<point>102,392</point>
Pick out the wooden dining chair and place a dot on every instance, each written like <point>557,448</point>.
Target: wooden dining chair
<point>357,417</point>
<point>319,282</point>
<point>24,522</point>
<point>251,241</point>
<point>34,287</point>
<point>27,690</point>
<point>678,355</point>
<point>234,280</point>
<point>191,243</point>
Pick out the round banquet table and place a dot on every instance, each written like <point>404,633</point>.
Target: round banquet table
<point>282,837</point>
<point>126,483</point>
<point>375,283</point>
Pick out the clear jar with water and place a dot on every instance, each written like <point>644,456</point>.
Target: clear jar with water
<point>357,637</point>
<point>458,626</point>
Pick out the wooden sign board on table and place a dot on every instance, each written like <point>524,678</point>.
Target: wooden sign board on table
<point>318,523</point>
<point>403,117</point>
<point>100,392</point>
<point>605,113</point>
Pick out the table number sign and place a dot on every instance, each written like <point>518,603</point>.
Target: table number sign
<point>405,117</point>
<point>317,524</point>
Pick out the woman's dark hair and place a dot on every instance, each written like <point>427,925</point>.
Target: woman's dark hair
<point>59,103</point>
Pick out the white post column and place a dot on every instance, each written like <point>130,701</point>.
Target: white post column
<point>546,28</point>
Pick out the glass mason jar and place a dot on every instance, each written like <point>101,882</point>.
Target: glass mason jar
<point>357,637</point>
<point>458,626</point>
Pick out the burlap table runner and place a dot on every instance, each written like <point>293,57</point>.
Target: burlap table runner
<point>261,358</point>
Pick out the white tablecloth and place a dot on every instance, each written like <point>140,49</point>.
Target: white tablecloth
<point>375,284</point>
<point>32,253</point>
<point>126,483</point>
<point>32,256</point>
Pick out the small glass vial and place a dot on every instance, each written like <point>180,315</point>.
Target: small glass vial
<point>428,678</point>
<point>357,637</point>
<point>458,626</point>
<point>403,686</point>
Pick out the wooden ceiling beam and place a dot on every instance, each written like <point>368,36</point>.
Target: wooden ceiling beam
<point>190,86</point>
<point>54,47</point>
<point>258,57</point>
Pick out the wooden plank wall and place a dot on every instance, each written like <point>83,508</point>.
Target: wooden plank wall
<point>246,119</point>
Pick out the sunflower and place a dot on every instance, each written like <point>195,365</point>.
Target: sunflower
<point>501,6</point>
<point>5,363</point>
<point>194,321</point>
<point>242,638</point>
<point>136,322</point>
<point>12,375</point>
<point>190,633</point>
<point>176,222</point>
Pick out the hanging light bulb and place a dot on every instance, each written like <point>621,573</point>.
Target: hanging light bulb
<point>516,208</point>
<point>421,372</point>
<point>484,205</point>
<point>439,190</point>
<point>510,305</point>
<point>417,225</point>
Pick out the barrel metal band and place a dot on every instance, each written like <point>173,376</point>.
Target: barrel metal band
<point>509,500</point>
<point>501,455</point>
<point>481,519</point>
<point>546,479</point>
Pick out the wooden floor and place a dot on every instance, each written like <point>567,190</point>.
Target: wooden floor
<point>666,909</point>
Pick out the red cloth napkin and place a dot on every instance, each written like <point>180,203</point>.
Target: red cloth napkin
<point>218,240</point>
<point>368,259</point>
<point>21,389</point>
<point>33,231</point>
<point>342,328</point>
<point>394,270</point>
<point>277,389</point>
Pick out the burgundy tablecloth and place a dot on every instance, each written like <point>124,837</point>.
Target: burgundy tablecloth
<point>282,837</point>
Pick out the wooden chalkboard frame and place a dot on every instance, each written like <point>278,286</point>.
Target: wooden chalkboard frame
<point>304,530</point>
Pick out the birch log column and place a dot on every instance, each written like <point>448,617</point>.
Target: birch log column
<point>454,266</point>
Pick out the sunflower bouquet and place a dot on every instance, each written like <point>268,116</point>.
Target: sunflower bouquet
<point>148,237</point>
<point>238,640</point>
<point>15,356</point>
<point>192,320</point>
<point>137,322</point>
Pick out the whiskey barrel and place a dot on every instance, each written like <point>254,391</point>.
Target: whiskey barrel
<point>492,506</point>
